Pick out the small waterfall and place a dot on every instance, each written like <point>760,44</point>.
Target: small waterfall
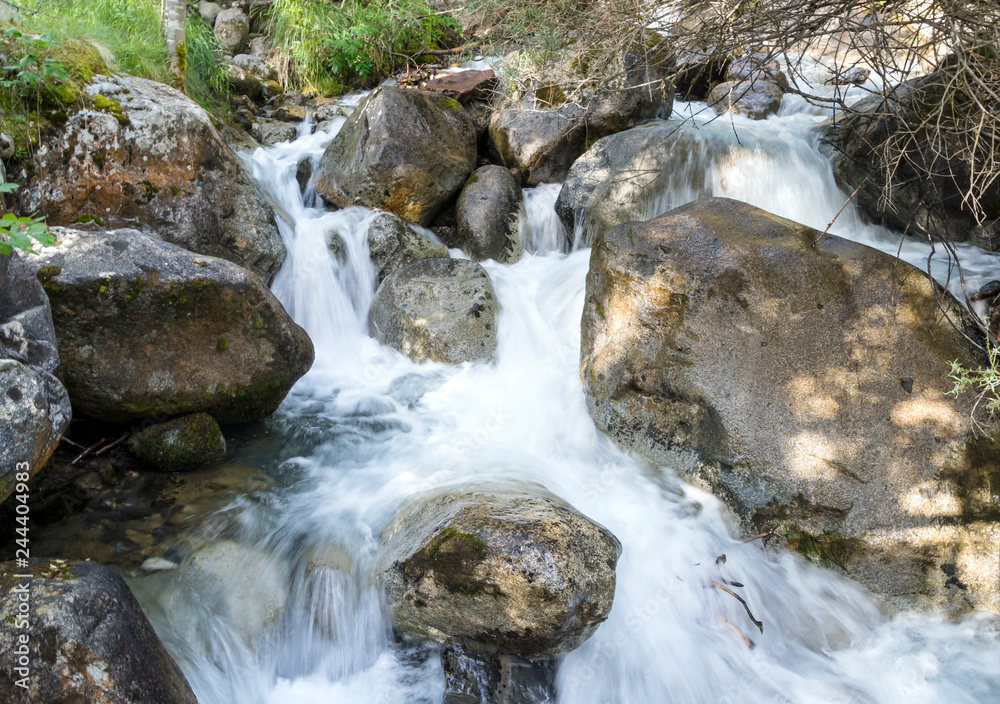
<point>367,430</point>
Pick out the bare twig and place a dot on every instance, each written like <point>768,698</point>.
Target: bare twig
<point>740,599</point>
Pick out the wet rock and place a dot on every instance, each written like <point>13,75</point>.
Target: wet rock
<point>34,406</point>
<point>464,86</point>
<point>256,66</point>
<point>442,310</point>
<point>180,444</point>
<point>487,215</point>
<point>275,132</point>
<point>232,28</point>
<point>756,99</point>
<point>147,329</point>
<point>924,192</point>
<point>393,245</point>
<point>719,341</point>
<point>328,110</point>
<point>151,158</point>
<point>476,673</point>
<point>544,134</point>
<point>86,639</point>
<point>404,151</point>
<point>620,177</point>
<point>209,11</point>
<point>514,569</point>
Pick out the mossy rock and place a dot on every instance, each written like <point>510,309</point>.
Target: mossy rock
<point>181,444</point>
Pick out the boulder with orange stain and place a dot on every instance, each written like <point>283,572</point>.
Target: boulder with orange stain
<point>144,155</point>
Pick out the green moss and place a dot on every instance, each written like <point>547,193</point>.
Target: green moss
<point>174,190</point>
<point>84,218</point>
<point>100,285</point>
<point>473,178</point>
<point>829,548</point>
<point>453,556</point>
<point>45,275</point>
<point>450,104</point>
<point>222,345</point>
<point>600,311</point>
<point>551,95</point>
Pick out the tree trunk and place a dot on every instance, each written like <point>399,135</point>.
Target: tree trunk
<point>174,14</point>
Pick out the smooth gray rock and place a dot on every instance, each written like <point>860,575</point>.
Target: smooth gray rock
<point>147,329</point>
<point>180,444</point>
<point>620,177</point>
<point>513,568</point>
<point>754,98</point>
<point>393,244</point>
<point>232,28</point>
<point>34,407</point>
<point>158,164</point>
<point>403,150</point>
<point>87,639</point>
<point>437,309</point>
<point>487,215</point>
<point>209,11</point>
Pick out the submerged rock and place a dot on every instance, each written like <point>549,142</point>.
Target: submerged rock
<point>34,407</point>
<point>516,570</point>
<point>393,244</point>
<point>148,329</point>
<point>180,444</point>
<point>147,156</point>
<point>754,98</point>
<point>805,385</point>
<point>487,216</point>
<point>85,639</point>
<point>442,310</point>
<point>405,151</point>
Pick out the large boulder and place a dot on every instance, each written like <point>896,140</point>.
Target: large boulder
<point>545,132</point>
<point>73,632</point>
<point>487,215</point>
<point>442,310</point>
<point>145,155</point>
<point>805,385</point>
<point>147,329</point>
<point>619,178</point>
<point>393,244</point>
<point>405,151</point>
<point>519,570</point>
<point>924,191</point>
<point>34,406</point>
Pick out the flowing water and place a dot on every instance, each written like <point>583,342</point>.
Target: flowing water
<point>295,617</point>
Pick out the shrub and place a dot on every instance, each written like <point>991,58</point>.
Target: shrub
<point>326,46</point>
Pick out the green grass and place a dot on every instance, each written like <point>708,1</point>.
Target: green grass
<point>328,47</point>
<point>127,35</point>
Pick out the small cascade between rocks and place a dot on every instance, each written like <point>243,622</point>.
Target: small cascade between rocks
<point>284,608</point>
